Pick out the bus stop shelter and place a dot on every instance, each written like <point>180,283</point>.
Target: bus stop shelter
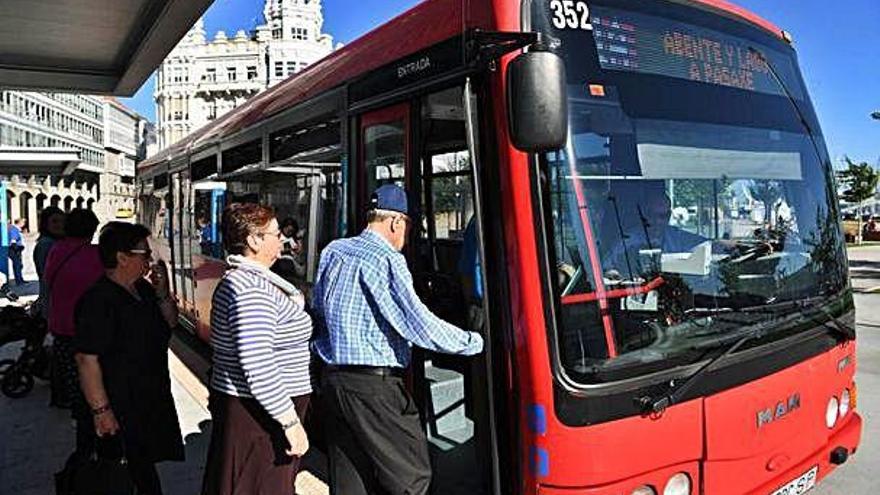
<point>80,46</point>
<point>89,46</point>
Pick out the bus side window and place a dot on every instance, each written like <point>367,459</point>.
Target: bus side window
<point>291,197</point>
<point>208,204</point>
<point>306,190</point>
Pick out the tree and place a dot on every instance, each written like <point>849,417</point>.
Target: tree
<point>769,193</point>
<point>860,180</point>
<point>704,195</point>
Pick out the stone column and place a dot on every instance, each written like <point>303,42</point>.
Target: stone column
<point>15,206</point>
<point>33,218</point>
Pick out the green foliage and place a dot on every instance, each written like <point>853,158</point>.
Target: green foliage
<point>860,181</point>
<point>696,192</point>
<point>450,192</point>
<point>768,192</point>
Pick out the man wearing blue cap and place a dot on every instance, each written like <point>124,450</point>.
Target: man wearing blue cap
<point>367,317</point>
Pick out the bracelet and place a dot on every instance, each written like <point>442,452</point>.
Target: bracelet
<point>100,410</point>
<point>287,426</point>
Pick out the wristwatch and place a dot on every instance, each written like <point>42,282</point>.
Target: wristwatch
<point>287,426</point>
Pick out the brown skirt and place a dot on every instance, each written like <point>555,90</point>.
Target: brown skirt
<point>247,451</point>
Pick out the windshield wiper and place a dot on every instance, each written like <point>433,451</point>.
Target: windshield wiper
<point>768,307</point>
<point>816,303</point>
<point>673,394</point>
<point>797,109</point>
<point>834,324</point>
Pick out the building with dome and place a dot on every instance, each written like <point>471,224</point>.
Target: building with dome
<point>204,77</point>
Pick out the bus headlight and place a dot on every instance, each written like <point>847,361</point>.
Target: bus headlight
<point>644,490</point>
<point>844,403</point>
<point>678,484</point>
<point>831,412</point>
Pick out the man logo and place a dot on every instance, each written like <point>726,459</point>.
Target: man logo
<point>771,414</point>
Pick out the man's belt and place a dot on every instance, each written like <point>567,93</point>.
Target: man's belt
<point>365,370</point>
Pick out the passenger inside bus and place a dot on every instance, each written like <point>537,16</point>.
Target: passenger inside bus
<point>469,267</point>
<point>291,265</point>
<point>206,242</point>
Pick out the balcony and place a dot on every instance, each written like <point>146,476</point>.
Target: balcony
<point>229,87</point>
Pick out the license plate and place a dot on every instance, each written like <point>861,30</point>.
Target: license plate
<point>800,484</point>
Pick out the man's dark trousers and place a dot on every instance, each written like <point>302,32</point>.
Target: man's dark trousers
<point>17,265</point>
<point>376,445</point>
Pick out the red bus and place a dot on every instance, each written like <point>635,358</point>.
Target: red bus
<point>663,280</point>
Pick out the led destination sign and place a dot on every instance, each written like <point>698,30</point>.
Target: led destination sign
<point>628,41</point>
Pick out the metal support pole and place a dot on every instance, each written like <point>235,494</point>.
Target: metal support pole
<point>4,230</point>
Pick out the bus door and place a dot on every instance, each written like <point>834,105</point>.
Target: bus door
<point>445,264</point>
<point>208,198</point>
<point>441,384</point>
<point>384,149</point>
<point>181,246</point>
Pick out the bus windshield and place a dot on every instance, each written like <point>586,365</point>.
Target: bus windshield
<point>694,197</point>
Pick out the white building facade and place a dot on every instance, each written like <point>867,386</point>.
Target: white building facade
<point>97,133</point>
<point>202,79</point>
<point>123,149</point>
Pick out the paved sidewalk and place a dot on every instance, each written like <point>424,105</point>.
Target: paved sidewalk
<point>35,439</point>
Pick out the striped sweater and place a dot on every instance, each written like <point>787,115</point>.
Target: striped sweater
<point>260,339</point>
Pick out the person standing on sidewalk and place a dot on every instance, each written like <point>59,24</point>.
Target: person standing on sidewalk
<point>367,317</point>
<point>73,266</point>
<point>123,327</point>
<point>16,248</point>
<point>261,382</point>
<point>51,229</point>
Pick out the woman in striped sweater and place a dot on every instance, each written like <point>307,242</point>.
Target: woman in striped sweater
<point>260,384</point>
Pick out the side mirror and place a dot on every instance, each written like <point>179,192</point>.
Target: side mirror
<point>537,101</point>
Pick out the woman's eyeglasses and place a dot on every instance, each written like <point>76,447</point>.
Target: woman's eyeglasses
<point>147,253</point>
<point>277,234</point>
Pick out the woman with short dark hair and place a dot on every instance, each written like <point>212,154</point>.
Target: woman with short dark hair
<point>261,384</point>
<point>51,229</point>
<point>123,327</point>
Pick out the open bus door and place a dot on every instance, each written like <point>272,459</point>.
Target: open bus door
<point>423,146</point>
<point>181,249</point>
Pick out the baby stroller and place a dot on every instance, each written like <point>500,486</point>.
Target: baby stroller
<point>18,324</point>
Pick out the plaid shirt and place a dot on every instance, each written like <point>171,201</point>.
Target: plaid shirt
<point>367,311</point>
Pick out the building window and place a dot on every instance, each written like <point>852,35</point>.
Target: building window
<point>299,33</point>
<point>231,74</point>
<point>210,75</point>
<point>251,73</point>
<point>291,68</point>
<point>212,111</point>
<point>277,33</point>
<point>279,69</point>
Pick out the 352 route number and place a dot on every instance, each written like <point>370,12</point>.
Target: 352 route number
<point>571,14</point>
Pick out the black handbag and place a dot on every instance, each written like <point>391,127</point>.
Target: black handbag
<point>96,475</point>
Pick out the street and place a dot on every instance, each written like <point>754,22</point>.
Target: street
<point>36,439</point>
<point>857,475</point>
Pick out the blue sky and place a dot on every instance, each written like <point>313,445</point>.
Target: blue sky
<point>839,50</point>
